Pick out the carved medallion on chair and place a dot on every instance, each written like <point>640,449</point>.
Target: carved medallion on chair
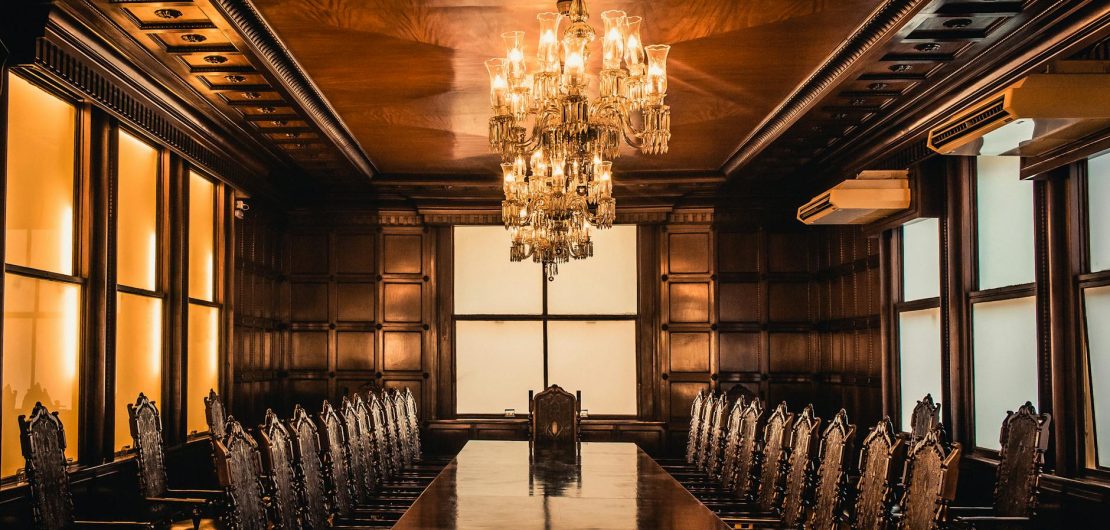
<point>554,419</point>
<point>933,471</point>
<point>830,491</point>
<point>881,458</point>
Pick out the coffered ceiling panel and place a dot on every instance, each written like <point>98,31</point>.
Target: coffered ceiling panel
<point>407,76</point>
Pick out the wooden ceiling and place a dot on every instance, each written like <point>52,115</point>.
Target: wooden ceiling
<point>407,76</point>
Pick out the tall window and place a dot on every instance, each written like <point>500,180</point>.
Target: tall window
<point>919,331</point>
<point>42,285</point>
<point>516,332</point>
<point>204,309</point>
<point>139,297</point>
<point>1096,300</point>
<point>1004,323</point>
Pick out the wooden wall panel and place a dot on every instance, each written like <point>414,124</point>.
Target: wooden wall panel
<point>403,253</point>
<point>689,302</point>
<point>739,302</point>
<point>740,351</point>
<point>355,350</point>
<point>355,301</point>
<point>690,352</point>
<point>403,302</point>
<point>689,252</point>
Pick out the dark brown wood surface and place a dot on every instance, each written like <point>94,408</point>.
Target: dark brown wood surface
<point>493,484</point>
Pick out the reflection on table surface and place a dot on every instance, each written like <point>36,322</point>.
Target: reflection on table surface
<point>498,484</point>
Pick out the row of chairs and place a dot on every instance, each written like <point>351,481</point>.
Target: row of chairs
<point>356,466</point>
<point>795,475</point>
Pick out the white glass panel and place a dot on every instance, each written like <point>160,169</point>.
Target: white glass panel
<point>204,367</point>
<point>1005,223</point>
<point>919,361</point>
<point>41,345</point>
<point>486,282</point>
<point>1098,340</point>
<point>598,358</point>
<point>202,237</point>
<point>42,135</point>
<point>137,220</point>
<point>138,356</point>
<point>496,364</point>
<point>1005,363</point>
<point>1098,215</point>
<point>604,284</point>
<point>921,260</point>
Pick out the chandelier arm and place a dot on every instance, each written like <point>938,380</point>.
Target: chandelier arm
<point>533,141</point>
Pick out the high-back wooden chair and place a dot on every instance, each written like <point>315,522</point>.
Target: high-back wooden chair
<point>388,453</point>
<point>215,415</point>
<point>554,422</point>
<point>882,455</point>
<point>313,506</point>
<point>741,479</point>
<point>708,409</point>
<point>933,470</point>
<point>731,439</point>
<point>239,469</point>
<point>772,458</point>
<point>1024,440</point>
<point>146,435</point>
<point>43,443</point>
<point>275,445</point>
<point>925,418</point>
<point>711,451</point>
<point>692,438</point>
<point>799,469</point>
<point>336,470</point>
<point>397,426</point>
<point>361,475</point>
<point>412,421</point>
<point>832,471</point>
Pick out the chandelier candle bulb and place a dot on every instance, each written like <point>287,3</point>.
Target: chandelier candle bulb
<point>613,45</point>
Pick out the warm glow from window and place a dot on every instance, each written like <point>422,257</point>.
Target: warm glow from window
<point>1004,204</point>
<point>203,369</point>
<point>202,237</point>
<point>919,359</point>
<point>604,284</point>
<point>40,171</point>
<point>1005,363</point>
<point>137,215</point>
<point>496,364</point>
<point>1098,215</point>
<point>41,359</point>
<point>486,282</point>
<point>598,358</point>
<point>138,356</point>
<point>921,260</point>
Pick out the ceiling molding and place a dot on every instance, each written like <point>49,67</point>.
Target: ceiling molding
<point>879,26</point>
<point>277,59</point>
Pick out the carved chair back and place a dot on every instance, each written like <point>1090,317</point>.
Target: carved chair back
<point>1024,439</point>
<point>239,470</point>
<point>389,454</point>
<point>731,439</point>
<point>741,480</point>
<point>707,409</point>
<point>772,459</point>
<point>881,458</point>
<point>276,447</point>
<point>799,469</point>
<point>309,470</point>
<point>692,439</point>
<point>337,471</point>
<point>146,434</point>
<point>397,427</point>
<point>932,473</point>
<point>43,442</point>
<point>412,423</point>
<point>832,470</point>
<point>925,418</point>
<point>714,437</point>
<point>215,415</point>
<point>554,419</point>
<point>372,459</point>
<point>356,452</point>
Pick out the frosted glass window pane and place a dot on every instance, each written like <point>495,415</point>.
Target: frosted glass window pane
<point>42,134</point>
<point>1005,223</point>
<point>204,367</point>
<point>1098,215</point>
<point>202,237</point>
<point>604,284</point>
<point>486,282</point>
<point>1005,363</point>
<point>138,356</point>
<point>919,350</point>
<point>137,220</point>
<point>921,260</point>
<point>1097,301</point>
<point>41,359</point>
<point>598,358</point>
<point>496,364</point>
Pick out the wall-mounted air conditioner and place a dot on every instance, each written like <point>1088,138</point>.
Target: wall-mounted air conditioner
<point>1033,116</point>
<point>869,197</point>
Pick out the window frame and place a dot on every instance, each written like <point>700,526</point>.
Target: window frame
<point>901,305</point>
<point>219,205</point>
<point>544,317</point>
<point>1085,279</point>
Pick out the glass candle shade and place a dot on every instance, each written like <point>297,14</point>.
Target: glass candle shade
<point>574,62</point>
<point>656,83</point>
<point>613,43</point>
<point>548,50</point>
<point>633,47</point>
<point>498,84</point>
<point>514,57</point>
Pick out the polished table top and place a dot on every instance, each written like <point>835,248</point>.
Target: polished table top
<point>493,484</point>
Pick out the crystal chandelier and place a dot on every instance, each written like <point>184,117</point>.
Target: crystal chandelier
<point>558,141</point>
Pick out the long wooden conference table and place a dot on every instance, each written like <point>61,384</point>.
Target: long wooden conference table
<point>498,484</point>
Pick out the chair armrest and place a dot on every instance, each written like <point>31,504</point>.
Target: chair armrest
<point>759,521</point>
<point>969,510</point>
<point>987,520</point>
<point>177,500</point>
<point>113,524</point>
<point>215,494</point>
